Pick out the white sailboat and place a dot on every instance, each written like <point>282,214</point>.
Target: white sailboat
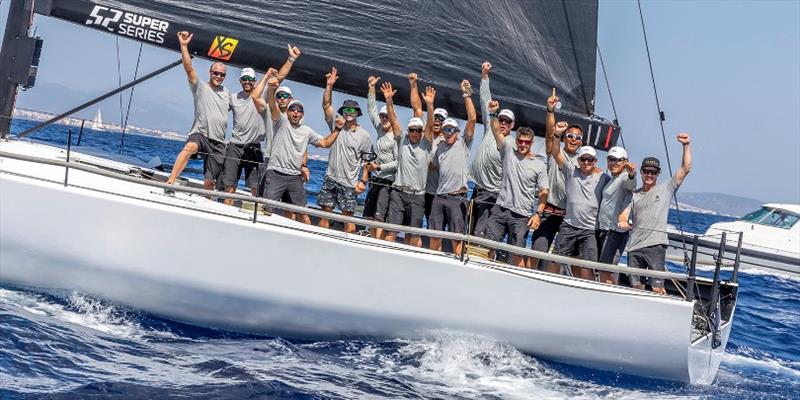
<point>97,122</point>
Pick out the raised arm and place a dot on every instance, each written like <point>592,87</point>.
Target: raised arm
<point>552,143</point>
<point>430,95</point>
<point>499,139</point>
<point>416,103</point>
<point>327,100</point>
<point>686,160</point>
<point>274,111</point>
<point>184,38</point>
<point>388,93</point>
<point>372,106</point>
<point>256,95</point>
<point>294,54</point>
<point>329,140</point>
<point>485,94</point>
<point>472,117</point>
<point>555,150</point>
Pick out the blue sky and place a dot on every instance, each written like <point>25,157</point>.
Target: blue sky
<point>727,72</point>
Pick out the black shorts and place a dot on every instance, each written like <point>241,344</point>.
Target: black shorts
<point>428,204</point>
<point>574,241</point>
<point>483,201</point>
<point>405,208</point>
<point>543,237</point>
<point>449,210</point>
<point>335,195</point>
<point>611,244</point>
<point>285,187</point>
<point>213,154</point>
<point>504,221</point>
<point>240,157</point>
<point>650,257</point>
<point>377,203</point>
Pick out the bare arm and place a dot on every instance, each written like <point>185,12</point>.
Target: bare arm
<point>555,150</point>
<point>388,93</point>
<point>184,38</point>
<point>430,95</point>
<point>494,105</point>
<point>327,95</point>
<point>294,54</point>
<point>472,116</point>
<point>552,142</point>
<point>535,219</point>
<point>416,103</point>
<point>329,140</point>
<point>256,95</point>
<point>686,160</point>
<point>622,220</point>
<point>274,111</point>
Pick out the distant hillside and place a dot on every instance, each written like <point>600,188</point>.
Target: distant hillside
<point>723,204</point>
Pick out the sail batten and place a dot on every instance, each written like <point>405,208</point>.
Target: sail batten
<point>534,45</point>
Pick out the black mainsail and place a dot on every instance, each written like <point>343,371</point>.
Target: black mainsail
<point>534,45</point>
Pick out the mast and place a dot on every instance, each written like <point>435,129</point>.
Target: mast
<point>19,58</point>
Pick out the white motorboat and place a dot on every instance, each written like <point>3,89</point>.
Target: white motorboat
<point>103,229</point>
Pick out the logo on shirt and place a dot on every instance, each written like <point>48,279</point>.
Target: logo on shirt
<point>222,47</point>
<point>128,24</point>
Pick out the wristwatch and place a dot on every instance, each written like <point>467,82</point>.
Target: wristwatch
<point>539,213</point>
<point>492,115</point>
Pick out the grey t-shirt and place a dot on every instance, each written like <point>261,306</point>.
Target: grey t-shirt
<point>248,124</point>
<point>210,110</point>
<point>433,173</point>
<point>583,196</point>
<point>387,156</point>
<point>412,164</point>
<point>616,196</point>
<point>649,211</point>
<point>269,131</point>
<point>523,177</point>
<point>345,157</point>
<point>290,145</point>
<point>452,162</point>
<point>558,192</point>
<point>487,167</point>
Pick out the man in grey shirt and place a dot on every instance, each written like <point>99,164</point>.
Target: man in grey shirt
<point>207,136</point>
<point>292,137</point>
<point>342,184</point>
<point>616,196</point>
<point>451,158</point>
<point>647,215</point>
<point>487,167</point>
<point>577,236</point>
<point>407,199</point>
<point>380,172</point>
<point>524,177</point>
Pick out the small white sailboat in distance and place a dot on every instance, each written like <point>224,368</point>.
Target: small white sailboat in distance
<point>97,122</point>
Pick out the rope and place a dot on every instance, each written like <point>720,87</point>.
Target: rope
<point>661,119</point>
<point>130,100</point>
<point>610,96</point>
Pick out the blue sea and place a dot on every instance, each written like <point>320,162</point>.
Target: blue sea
<point>65,345</point>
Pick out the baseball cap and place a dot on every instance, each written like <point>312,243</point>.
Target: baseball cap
<point>617,152</point>
<point>284,89</point>
<point>248,72</point>
<point>506,113</point>
<point>416,123</point>
<point>651,162</point>
<point>586,150</point>
<point>450,122</point>
<point>293,102</point>
<point>440,111</point>
<point>383,110</point>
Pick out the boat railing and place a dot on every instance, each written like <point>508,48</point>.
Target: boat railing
<point>470,240</point>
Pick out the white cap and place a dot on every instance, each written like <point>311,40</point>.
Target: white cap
<point>248,72</point>
<point>284,89</point>
<point>416,123</point>
<point>586,150</point>
<point>440,111</point>
<point>617,152</point>
<point>506,113</point>
<point>450,122</point>
<point>383,111</point>
<point>293,102</point>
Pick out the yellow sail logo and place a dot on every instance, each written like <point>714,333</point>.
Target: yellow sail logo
<point>222,47</point>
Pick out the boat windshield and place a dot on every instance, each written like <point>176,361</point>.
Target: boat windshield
<point>772,217</point>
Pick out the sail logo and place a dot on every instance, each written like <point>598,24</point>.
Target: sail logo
<point>129,24</point>
<point>222,47</point>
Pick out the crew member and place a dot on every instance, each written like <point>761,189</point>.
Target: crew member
<point>617,194</point>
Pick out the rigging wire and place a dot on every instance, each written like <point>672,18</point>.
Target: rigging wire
<point>130,100</point>
<point>119,77</point>
<point>610,96</point>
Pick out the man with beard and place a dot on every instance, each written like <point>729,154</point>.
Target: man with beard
<point>451,159</point>
<point>207,136</point>
<point>524,177</point>
<point>342,184</point>
<point>381,171</point>
<point>291,140</point>
<point>407,199</point>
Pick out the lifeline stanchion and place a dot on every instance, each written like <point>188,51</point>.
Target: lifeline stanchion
<point>69,150</point>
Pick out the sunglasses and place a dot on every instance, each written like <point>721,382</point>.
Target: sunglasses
<point>614,159</point>
<point>438,118</point>
<point>526,142</point>
<point>573,136</point>
<point>504,120</point>
<point>450,130</point>
<point>650,171</point>
<point>295,108</point>
<point>349,110</point>
<point>282,96</point>
<point>587,159</point>
<point>247,79</point>
<point>384,116</point>
<point>414,130</point>
<point>219,74</point>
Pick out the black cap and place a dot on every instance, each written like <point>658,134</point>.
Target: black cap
<point>350,104</point>
<point>651,162</point>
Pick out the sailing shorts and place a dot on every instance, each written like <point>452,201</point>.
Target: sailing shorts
<point>213,154</point>
<point>543,237</point>
<point>240,157</point>
<point>503,221</point>
<point>428,204</point>
<point>285,187</point>
<point>334,194</point>
<point>449,210</point>
<point>405,208</point>
<point>377,203</point>
<point>612,245</point>
<point>483,202</point>
<point>650,257</point>
<point>574,241</point>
